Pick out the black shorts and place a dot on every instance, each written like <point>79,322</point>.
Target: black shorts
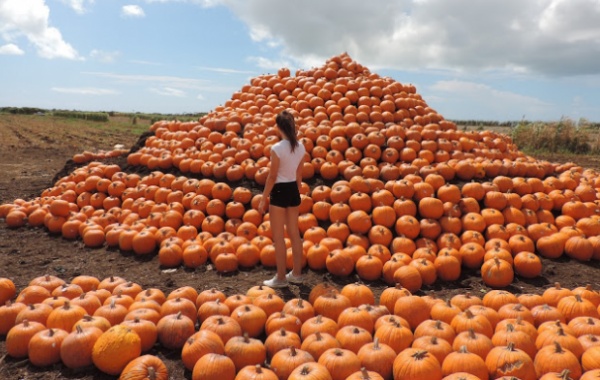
<point>285,194</point>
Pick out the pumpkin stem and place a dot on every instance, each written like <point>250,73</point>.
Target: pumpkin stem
<point>258,369</point>
<point>420,355</point>
<point>557,285</point>
<point>564,375</point>
<point>518,307</point>
<point>364,373</point>
<point>557,347</point>
<point>472,334</point>
<point>293,351</point>
<point>305,371</point>
<point>463,349</point>
<point>376,346</point>
<point>152,373</point>
<point>510,346</point>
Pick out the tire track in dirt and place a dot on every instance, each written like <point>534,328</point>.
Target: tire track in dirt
<point>20,137</point>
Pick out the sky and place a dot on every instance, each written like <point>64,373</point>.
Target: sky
<point>502,60</point>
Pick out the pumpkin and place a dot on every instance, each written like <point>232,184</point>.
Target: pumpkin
<point>145,367</point>
<point>115,348</point>
<point>76,348</point>
<point>353,337</point>
<point>146,330</point>
<point>464,361</point>
<point>65,316</point>
<point>44,347</point>
<point>310,371</point>
<point>553,358</point>
<point>7,290</point>
<point>286,360</point>
<point>198,345</point>
<point>413,364</point>
<point>174,330</point>
<point>339,362</point>
<point>281,339</point>
<point>244,351</point>
<point>256,372</point>
<point>214,367</point>
<point>251,318</point>
<point>331,305</point>
<point>17,339</point>
<point>510,361</point>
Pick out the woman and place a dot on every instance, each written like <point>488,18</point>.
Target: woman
<point>282,188</point>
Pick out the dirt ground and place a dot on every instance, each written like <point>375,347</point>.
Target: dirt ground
<point>32,155</point>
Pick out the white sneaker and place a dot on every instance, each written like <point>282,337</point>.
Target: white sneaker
<point>275,283</point>
<point>294,279</point>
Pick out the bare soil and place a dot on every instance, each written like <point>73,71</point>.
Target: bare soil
<point>36,150</point>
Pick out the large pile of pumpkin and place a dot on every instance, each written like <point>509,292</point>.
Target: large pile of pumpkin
<point>391,189</point>
<point>336,334</point>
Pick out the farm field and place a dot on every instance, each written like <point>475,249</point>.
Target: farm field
<point>35,151</point>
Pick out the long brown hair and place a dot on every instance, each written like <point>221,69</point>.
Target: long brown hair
<point>287,125</point>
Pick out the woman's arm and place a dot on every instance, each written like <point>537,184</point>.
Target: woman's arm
<point>299,172</point>
<point>270,181</point>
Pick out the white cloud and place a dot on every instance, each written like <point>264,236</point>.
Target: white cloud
<point>30,18</point>
<point>224,70</point>
<point>171,81</point>
<point>556,37</point>
<point>139,62</point>
<point>132,11</point>
<point>269,64</point>
<point>104,56</point>
<point>203,3</point>
<point>484,101</point>
<point>78,6</point>
<point>168,91</point>
<point>84,90</point>
<point>11,49</point>
<point>478,90</point>
<point>200,97</point>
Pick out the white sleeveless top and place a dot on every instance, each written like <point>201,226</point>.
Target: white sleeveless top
<point>288,161</point>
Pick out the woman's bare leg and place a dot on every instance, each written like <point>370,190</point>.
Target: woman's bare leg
<point>291,223</point>
<point>277,218</point>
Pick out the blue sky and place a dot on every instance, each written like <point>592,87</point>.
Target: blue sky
<point>469,59</point>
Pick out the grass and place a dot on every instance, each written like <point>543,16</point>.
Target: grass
<point>564,136</point>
